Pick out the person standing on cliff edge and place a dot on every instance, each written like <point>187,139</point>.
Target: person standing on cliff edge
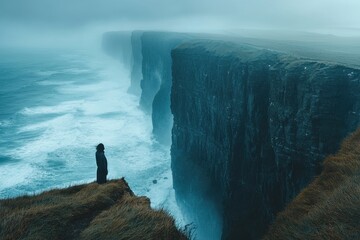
<point>101,163</point>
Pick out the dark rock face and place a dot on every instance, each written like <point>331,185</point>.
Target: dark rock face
<point>156,82</point>
<point>118,45</point>
<point>250,129</point>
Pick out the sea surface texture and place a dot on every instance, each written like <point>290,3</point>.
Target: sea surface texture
<point>56,106</point>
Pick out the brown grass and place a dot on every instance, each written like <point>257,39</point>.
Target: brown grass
<point>89,211</point>
<point>329,208</point>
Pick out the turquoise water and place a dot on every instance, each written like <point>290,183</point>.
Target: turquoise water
<point>55,107</point>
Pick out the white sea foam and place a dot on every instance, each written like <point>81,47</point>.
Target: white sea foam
<point>64,107</point>
<point>14,174</point>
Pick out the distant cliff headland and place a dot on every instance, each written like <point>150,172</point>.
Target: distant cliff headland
<point>250,119</point>
<point>88,211</point>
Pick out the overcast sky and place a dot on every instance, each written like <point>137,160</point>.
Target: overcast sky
<point>20,15</point>
<point>306,13</point>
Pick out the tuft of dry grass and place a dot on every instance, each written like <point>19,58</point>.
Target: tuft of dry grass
<point>329,208</point>
<point>133,219</point>
<point>88,211</point>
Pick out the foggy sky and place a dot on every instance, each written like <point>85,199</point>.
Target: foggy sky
<point>67,22</point>
<point>242,13</point>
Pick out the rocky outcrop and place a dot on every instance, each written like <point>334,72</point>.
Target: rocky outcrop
<point>118,45</point>
<point>156,82</point>
<point>251,127</point>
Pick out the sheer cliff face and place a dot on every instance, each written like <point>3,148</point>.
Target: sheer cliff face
<point>156,82</point>
<point>250,128</point>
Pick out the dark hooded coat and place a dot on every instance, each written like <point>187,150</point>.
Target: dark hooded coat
<point>102,170</point>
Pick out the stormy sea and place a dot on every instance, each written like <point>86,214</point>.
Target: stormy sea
<point>56,106</point>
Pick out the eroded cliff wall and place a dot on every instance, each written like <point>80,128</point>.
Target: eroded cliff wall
<point>156,81</point>
<point>250,129</point>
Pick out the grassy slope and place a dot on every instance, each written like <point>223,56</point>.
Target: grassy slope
<point>329,208</point>
<point>89,211</point>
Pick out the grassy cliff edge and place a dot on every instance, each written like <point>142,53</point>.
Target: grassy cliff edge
<point>88,211</point>
<point>329,208</point>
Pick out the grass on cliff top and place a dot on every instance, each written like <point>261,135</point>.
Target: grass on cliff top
<point>329,208</point>
<point>88,211</point>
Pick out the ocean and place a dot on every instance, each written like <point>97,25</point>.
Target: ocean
<point>56,106</point>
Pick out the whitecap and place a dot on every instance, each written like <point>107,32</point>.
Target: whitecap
<point>57,133</point>
<point>64,107</point>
